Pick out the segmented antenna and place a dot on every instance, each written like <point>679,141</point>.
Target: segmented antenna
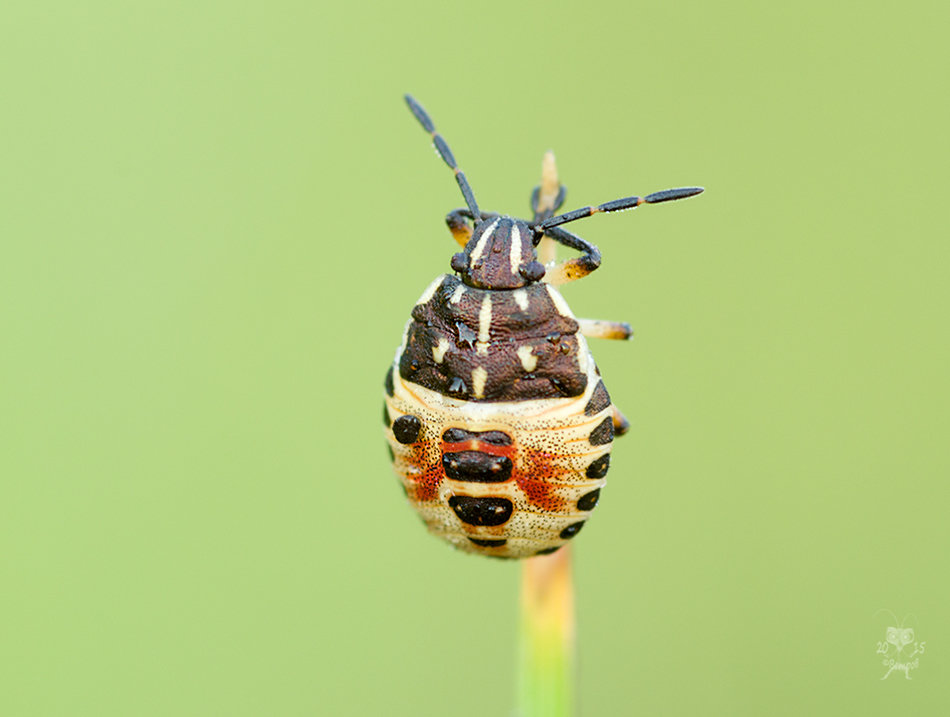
<point>443,149</point>
<point>618,205</point>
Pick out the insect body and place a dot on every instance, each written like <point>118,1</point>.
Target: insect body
<point>498,421</point>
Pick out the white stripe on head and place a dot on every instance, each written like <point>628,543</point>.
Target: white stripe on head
<point>483,240</point>
<point>515,256</point>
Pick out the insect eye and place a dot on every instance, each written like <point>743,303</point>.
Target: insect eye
<point>532,271</point>
<point>459,262</point>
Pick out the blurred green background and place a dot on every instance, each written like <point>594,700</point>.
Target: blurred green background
<point>215,218</point>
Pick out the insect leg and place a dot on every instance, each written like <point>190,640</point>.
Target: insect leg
<point>621,424</point>
<point>576,268</point>
<point>548,197</point>
<point>457,222</point>
<point>599,329</point>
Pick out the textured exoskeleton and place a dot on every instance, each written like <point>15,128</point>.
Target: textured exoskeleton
<point>498,421</point>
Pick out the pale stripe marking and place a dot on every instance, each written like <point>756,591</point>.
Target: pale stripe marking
<point>479,376</point>
<point>484,324</point>
<point>559,303</point>
<point>483,241</point>
<point>529,362</point>
<point>430,290</point>
<point>515,256</point>
<point>438,352</point>
<point>521,298</point>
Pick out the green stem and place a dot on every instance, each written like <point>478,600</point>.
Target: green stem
<point>546,686</point>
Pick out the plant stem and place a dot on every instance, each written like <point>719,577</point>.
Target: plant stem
<point>546,686</point>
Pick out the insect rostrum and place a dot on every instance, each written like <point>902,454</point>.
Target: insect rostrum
<point>498,420</point>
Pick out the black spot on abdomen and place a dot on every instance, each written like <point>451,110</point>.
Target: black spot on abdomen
<point>598,469</point>
<point>406,428</point>
<point>599,400</point>
<point>481,511</point>
<point>458,435</point>
<point>572,530</point>
<point>488,543</point>
<point>388,383</point>
<point>604,433</point>
<point>589,500</point>
<point>477,467</point>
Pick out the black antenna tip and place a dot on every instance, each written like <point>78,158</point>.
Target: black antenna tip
<point>419,113</point>
<point>668,195</point>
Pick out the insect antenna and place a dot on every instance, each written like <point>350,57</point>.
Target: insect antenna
<point>443,149</point>
<point>618,205</point>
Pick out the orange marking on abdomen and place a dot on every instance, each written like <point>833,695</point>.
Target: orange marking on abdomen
<point>481,446</point>
<point>539,493</point>
<point>535,481</point>
<point>424,485</point>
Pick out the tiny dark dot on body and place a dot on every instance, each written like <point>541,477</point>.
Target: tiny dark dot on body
<point>572,530</point>
<point>406,428</point>
<point>589,500</point>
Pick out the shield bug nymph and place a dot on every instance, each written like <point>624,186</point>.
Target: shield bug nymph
<point>498,420</point>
